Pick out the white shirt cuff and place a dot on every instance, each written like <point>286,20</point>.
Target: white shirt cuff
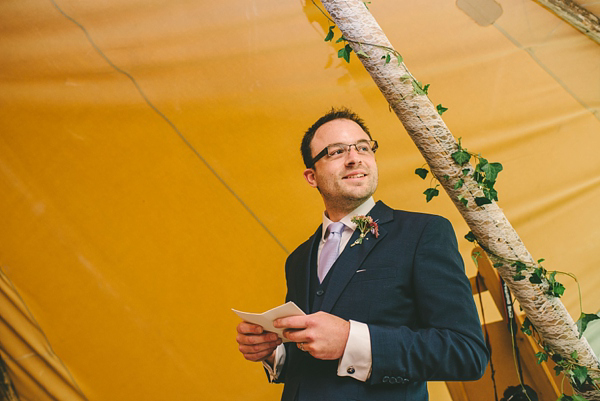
<point>275,370</point>
<point>357,360</point>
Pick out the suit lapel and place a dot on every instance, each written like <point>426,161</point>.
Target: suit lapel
<point>303,274</point>
<point>353,257</point>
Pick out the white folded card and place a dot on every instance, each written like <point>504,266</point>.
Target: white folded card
<point>266,319</point>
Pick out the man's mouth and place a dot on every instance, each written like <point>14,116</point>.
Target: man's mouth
<point>354,176</point>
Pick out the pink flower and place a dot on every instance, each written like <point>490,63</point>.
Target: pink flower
<point>366,225</point>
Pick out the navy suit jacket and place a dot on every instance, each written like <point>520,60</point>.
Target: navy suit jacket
<point>409,286</point>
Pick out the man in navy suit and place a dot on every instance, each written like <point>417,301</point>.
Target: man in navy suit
<point>393,311</point>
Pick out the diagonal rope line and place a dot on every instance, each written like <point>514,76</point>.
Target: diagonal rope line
<point>172,125</point>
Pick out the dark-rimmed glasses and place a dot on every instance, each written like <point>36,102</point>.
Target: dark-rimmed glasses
<point>339,150</point>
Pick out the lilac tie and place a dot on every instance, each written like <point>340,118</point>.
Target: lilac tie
<point>331,249</point>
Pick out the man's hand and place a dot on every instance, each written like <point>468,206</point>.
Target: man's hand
<point>255,343</point>
<point>321,334</point>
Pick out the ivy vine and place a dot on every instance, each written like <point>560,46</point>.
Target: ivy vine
<point>570,366</point>
<point>485,175</point>
<point>391,53</point>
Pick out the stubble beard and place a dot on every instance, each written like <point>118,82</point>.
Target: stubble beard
<point>348,199</point>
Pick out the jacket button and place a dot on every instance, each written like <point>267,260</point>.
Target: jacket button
<point>386,379</point>
<point>351,370</point>
<point>320,292</point>
<point>393,380</point>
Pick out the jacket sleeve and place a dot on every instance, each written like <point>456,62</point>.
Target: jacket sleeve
<point>446,343</point>
<point>292,262</point>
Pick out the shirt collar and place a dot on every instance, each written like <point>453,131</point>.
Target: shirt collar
<point>362,210</point>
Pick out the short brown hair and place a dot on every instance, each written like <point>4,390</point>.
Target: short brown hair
<point>333,114</point>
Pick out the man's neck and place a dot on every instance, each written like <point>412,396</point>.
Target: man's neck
<point>337,212</point>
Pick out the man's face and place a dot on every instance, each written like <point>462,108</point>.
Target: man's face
<point>344,182</point>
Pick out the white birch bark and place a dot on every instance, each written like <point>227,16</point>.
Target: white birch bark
<point>433,138</point>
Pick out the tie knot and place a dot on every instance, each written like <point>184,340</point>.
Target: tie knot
<point>336,228</point>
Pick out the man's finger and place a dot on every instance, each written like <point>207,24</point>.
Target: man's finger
<point>258,356</point>
<point>256,338</point>
<point>296,335</point>
<point>291,322</point>
<point>258,348</point>
<point>249,328</point>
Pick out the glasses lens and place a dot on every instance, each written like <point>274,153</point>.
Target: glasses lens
<point>336,150</point>
<point>364,147</point>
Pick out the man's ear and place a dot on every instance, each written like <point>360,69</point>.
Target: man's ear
<point>309,176</point>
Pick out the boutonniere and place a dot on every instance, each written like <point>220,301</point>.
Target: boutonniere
<point>366,225</point>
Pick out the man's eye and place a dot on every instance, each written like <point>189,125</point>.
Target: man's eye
<point>336,152</point>
<point>363,148</point>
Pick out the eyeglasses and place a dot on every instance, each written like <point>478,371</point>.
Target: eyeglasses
<point>339,150</point>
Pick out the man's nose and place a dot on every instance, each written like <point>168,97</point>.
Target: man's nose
<point>352,155</point>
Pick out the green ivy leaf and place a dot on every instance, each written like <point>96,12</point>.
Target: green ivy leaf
<point>344,53</point>
<point>387,58</point>
<point>491,171</point>
<point>430,193</point>
<point>482,200</point>
<point>558,370</point>
<point>580,375</point>
<point>470,236</point>
<point>418,87</point>
<point>518,277</point>
<point>482,162</point>
<point>362,53</point>
<point>583,321</point>
<point>574,355</point>
<point>498,264</point>
<point>491,194</point>
<point>465,170</point>
<point>463,200</point>
<point>421,172</point>
<point>441,109</point>
<point>488,184</point>
<point>461,157</point>
<point>446,177</point>
<point>556,289</point>
<point>541,357</point>
<point>329,34</point>
<point>526,327</point>
<point>541,260</point>
<point>537,276</point>
<point>399,58</point>
<point>535,279</point>
<point>519,266</point>
<point>577,397</point>
<point>475,257</point>
<point>459,184</point>
<point>340,39</point>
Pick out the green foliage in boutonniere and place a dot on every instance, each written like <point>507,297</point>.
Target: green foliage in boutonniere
<point>366,225</point>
